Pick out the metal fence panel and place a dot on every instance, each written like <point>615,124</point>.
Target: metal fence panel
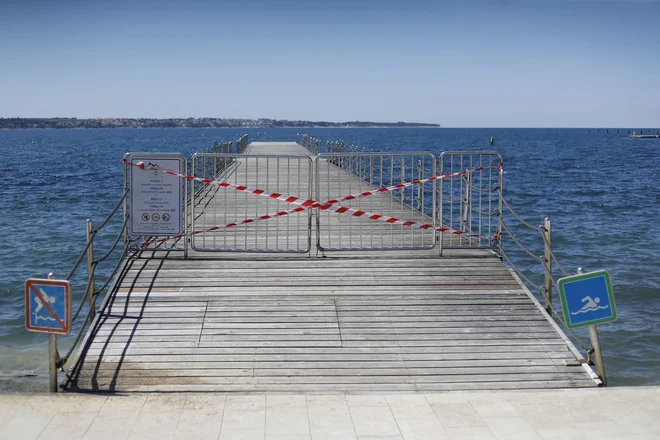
<point>341,173</point>
<point>213,206</point>
<point>470,202</point>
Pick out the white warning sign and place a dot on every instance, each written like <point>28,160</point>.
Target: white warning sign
<point>155,196</point>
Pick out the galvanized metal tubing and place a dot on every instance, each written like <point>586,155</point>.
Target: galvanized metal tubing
<point>309,142</point>
<point>370,171</point>
<point>471,202</point>
<point>213,206</point>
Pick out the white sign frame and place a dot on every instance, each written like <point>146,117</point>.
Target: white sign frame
<point>156,198</point>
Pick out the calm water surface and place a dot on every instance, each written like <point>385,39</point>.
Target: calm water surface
<point>598,187</point>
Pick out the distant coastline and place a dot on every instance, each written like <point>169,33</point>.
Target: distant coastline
<point>30,123</point>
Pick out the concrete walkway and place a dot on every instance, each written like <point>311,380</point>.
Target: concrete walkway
<point>611,413</point>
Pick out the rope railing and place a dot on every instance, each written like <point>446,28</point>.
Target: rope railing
<point>90,292</point>
<point>546,262</point>
<point>552,255</point>
<point>520,245</point>
<point>535,228</point>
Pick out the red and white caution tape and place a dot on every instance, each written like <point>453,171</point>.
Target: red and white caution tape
<point>228,225</point>
<point>259,192</point>
<point>408,184</point>
<point>313,204</point>
<point>308,203</point>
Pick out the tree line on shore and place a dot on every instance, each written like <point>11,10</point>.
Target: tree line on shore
<point>26,123</point>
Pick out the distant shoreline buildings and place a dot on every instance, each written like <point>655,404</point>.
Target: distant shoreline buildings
<point>28,123</point>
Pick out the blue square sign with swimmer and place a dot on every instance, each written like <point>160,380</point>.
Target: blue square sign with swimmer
<point>587,299</point>
<point>48,306</point>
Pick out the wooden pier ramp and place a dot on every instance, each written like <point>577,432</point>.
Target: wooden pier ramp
<point>352,321</point>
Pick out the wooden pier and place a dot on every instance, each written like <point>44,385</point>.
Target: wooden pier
<point>348,321</point>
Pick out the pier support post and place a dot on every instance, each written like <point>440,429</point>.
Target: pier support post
<point>547,227</point>
<point>90,266</point>
<point>595,342</point>
<point>500,207</point>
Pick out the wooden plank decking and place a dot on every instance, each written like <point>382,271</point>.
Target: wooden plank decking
<point>350,322</point>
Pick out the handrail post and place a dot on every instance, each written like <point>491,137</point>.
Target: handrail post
<point>52,355</point>
<point>500,207</point>
<point>371,168</point>
<point>467,199</point>
<point>547,227</point>
<point>125,231</point>
<point>420,188</point>
<point>439,195</point>
<point>90,266</point>
<point>188,189</point>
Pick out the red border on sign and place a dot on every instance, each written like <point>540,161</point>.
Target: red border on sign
<point>66,325</point>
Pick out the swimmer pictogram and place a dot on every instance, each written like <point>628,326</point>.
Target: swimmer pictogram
<point>590,306</point>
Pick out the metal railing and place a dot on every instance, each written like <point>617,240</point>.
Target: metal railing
<point>470,202</point>
<point>242,144</point>
<point>131,245</point>
<point>213,206</point>
<point>371,171</point>
<point>309,142</point>
<point>533,246</point>
<point>92,291</point>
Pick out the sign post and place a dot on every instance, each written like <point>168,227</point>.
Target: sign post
<point>587,299</point>
<point>48,310</point>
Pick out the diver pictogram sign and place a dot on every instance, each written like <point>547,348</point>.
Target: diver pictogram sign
<point>587,299</point>
<point>48,306</point>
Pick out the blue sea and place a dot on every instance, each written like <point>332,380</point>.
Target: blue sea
<point>598,186</point>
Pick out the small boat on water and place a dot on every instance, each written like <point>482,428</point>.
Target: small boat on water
<point>645,136</point>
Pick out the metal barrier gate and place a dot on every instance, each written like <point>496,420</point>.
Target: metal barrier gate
<point>213,207</point>
<point>471,202</point>
<point>366,172</point>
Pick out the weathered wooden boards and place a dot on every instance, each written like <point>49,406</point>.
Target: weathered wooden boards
<point>352,322</point>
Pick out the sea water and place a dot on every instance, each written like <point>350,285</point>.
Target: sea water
<point>598,187</point>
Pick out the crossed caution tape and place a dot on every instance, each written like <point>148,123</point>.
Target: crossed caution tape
<point>329,205</point>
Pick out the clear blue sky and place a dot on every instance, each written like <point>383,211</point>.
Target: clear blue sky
<point>462,63</point>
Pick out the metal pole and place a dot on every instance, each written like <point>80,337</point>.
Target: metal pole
<point>436,184</point>
<point>595,342</point>
<point>500,207</point>
<point>420,188</point>
<point>467,200</point>
<point>547,227</point>
<point>52,365</point>
<point>90,266</point>
<point>52,355</point>
<point>600,365</point>
<point>187,187</point>
<point>125,231</point>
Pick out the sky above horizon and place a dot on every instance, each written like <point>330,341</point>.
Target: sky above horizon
<point>470,63</point>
